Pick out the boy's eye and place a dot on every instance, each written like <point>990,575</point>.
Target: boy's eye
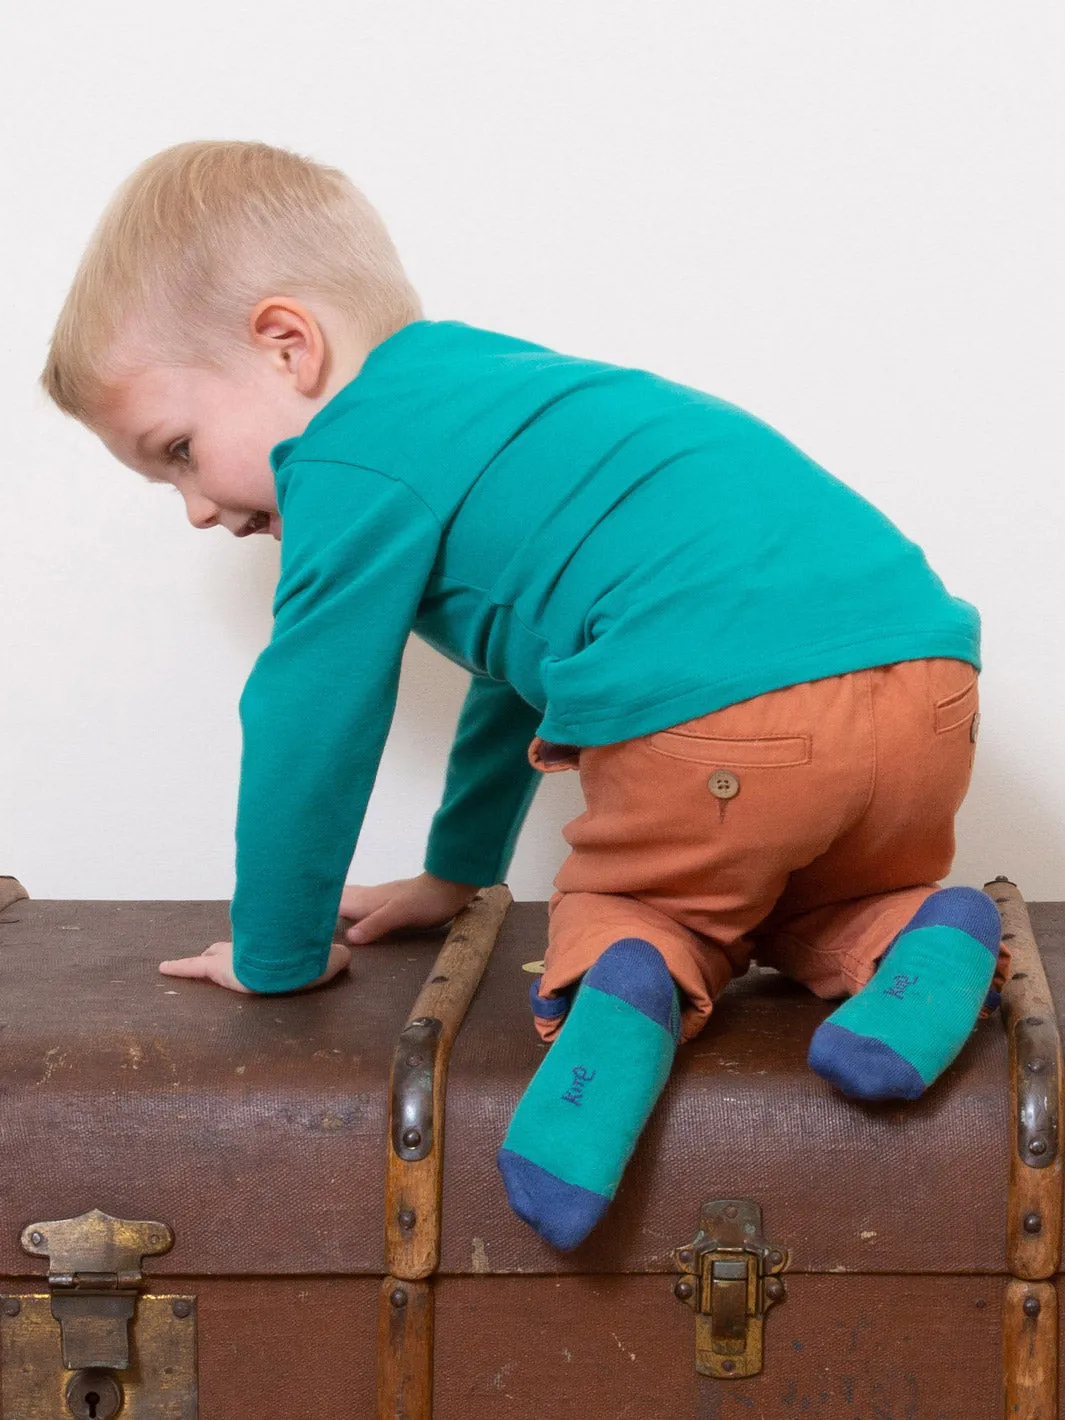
<point>178,452</point>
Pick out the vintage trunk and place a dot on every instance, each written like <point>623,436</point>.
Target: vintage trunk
<point>912,1252</point>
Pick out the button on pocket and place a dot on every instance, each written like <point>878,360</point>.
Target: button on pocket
<point>723,784</point>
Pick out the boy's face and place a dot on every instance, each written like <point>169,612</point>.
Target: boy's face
<point>208,433</point>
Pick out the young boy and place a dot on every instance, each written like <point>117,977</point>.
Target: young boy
<point>770,698</point>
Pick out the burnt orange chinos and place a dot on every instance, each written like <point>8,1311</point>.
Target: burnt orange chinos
<point>803,827</point>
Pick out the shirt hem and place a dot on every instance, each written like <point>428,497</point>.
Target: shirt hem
<point>819,664</point>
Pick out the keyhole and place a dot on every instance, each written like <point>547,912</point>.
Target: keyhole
<point>94,1395</point>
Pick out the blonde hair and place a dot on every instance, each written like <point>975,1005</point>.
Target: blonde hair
<point>194,239</point>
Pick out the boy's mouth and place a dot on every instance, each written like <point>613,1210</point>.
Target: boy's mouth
<point>257,523</point>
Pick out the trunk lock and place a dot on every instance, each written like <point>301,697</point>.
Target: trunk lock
<point>730,1280</point>
<point>131,1353</point>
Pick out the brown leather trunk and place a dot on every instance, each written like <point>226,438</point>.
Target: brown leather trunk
<point>918,1247</point>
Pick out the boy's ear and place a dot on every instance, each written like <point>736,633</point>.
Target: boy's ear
<point>287,331</point>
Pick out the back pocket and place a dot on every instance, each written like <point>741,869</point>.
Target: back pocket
<point>958,708</point>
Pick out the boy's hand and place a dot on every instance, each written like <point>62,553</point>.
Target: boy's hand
<point>424,901</point>
<point>216,964</point>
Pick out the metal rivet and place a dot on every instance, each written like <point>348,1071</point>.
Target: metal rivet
<point>683,1291</point>
<point>728,1366</point>
<point>36,1239</point>
<point>12,1306</point>
<point>775,1259</point>
<point>412,1138</point>
<point>774,1289</point>
<point>685,1257</point>
<point>181,1307</point>
<point>1037,1146</point>
<point>1035,1067</point>
<point>412,1061</point>
<point>732,1211</point>
<point>407,1218</point>
<point>1031,1306</point>
<point>398,1297</point>
<point>1033,1223</point>
<point>980,1304</point>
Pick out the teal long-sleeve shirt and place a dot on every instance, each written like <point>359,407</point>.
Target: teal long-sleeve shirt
<point>606,552</point>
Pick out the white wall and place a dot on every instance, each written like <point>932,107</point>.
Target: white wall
<point>844,215</point>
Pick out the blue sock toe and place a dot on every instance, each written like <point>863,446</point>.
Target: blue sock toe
<point>562,1213</point>
<point>862,1067</point>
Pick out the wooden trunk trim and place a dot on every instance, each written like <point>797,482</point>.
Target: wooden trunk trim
<point>1030,1351</point>
<point>405,1350</point>
<point>413,1189</point>
<point>1034,1207</point>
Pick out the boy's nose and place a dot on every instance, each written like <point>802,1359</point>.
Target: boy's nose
<point>202,513</point>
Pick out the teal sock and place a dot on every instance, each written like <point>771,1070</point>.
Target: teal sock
<point>906,1025</point>
<point>578,1121</point>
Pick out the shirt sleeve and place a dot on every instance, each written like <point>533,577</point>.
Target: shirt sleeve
<point>357,550</point>
<point>489,786</point>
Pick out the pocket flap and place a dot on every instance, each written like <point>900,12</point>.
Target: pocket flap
<point>764,752</point>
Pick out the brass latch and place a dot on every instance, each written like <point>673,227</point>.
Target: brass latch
<point>128,1351</point>
<point>730,1281</point>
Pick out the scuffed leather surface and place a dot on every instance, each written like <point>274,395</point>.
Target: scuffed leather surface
<point>254,1125</point>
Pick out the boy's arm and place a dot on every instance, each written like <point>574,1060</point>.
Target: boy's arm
<point>357,550</point>
<point>489,787</point>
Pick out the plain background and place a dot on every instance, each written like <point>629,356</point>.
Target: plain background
<point>845,216</point>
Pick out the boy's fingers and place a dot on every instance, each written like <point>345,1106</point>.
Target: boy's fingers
<point>339,960</point>
<point>373,926</point>
<point>188,966</point>
<point>351,901</point>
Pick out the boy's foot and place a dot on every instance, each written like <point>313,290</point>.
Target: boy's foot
<point>580,1117</point>
<point>906,1025</point>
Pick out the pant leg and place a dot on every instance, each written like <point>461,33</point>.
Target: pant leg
<point>584,924</point>
<point>840,913</point>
